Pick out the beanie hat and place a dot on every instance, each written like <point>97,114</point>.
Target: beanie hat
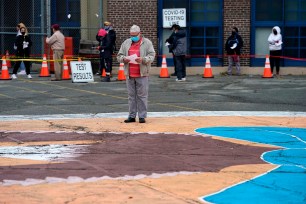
<point>56,27</point>
<point>102,32</point>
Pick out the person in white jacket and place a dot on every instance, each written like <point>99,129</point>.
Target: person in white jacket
<point>275,47</point>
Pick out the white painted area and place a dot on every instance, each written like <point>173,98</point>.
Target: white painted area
<point>153,115</point>
<point>43,152</point>
<point>75,179</point>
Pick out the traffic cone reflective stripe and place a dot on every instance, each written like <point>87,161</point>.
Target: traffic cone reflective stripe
<point>4,73</point>
<point>8,62</point>
<point>44,72</point>
<point>267,70</point>
<point>207,70</point>
<point>121,76</point>
<point>164,69</point>
<point>65,73</point>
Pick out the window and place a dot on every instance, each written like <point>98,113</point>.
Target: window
<point>290,16</point>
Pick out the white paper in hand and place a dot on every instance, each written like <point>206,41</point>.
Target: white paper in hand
<point>234,46</point>
<point>132,58</point>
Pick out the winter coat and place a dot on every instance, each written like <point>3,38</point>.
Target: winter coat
<point>105,46</point>
<point>231,40</point>
<point>147,53</point>
<point>19,42</point>
<point>275,41</point>
<point>179,46</point>
<point>57,41</point>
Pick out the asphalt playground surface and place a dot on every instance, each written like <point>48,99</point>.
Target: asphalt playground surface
<point>228,139</point>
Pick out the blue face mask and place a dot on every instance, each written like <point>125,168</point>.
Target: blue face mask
<point>106,28</point>
<point>135,38</point>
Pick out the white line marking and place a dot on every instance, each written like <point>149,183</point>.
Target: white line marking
<point>153,114</point>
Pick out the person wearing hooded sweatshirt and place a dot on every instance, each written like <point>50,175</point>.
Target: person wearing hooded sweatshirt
<point>233,45</point>
<point>275,47</point>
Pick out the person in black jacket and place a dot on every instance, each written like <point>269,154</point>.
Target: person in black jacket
<point>233,45</point>
<point>23,43</point>
<point>106,51</point>
<point>111,35</point>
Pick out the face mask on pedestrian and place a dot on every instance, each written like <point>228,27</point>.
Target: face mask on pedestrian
<point>233,32</point>
<point>106,28</point>
<point>275,31</point>
<point>23,33</point>
<point>135,38</point>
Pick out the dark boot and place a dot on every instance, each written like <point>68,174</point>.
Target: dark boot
<point>106,79</point>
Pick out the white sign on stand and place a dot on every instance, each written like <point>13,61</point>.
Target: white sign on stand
<point>174,16</point>
<point>81,71</point>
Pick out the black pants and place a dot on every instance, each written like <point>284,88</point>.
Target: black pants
<point>106,63</point>
<point>275,60</point>
<point>180,66</point>
<point>27,65</point>
<point>174,63</point>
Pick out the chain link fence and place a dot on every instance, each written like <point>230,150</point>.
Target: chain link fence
<point>38,15</point>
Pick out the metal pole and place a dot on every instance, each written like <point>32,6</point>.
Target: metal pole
<point>48,10</point>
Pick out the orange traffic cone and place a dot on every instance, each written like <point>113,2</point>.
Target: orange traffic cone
<point>121,76</point>
<point>8,62</point>
<point>164,69</point>
<point>207,70</point>
<point>44,72</point>
<point>4,73</point>
<point>65,73</point>
<point>103,73</point>
<point>267,70</point>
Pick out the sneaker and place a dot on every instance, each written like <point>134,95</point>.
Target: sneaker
<point>14,76</point>
<point>173,74</point>
<point>184,79</point>
<point>98,73</point>
<point>179,80</point>
<point>29,76</point>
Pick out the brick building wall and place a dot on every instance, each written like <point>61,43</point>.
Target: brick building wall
<point>238,13</point>
<point>125,13</point>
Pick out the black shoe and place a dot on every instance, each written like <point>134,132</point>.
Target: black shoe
<point>105,79</point>
<point>173,74</point>
<point>130,120</point>
<point>142,120</point>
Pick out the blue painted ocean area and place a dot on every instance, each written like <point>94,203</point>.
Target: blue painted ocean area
<point>284,184</point>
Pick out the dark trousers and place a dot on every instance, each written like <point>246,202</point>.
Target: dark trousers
<point>27,65</point>
<point>174,63</point>
<point>275,60</point>
<point>107,64</point>
<point>180,66</point>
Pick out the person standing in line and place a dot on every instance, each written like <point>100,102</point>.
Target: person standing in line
<point>169,43</point>
<point>275,47</point>
<point>23,43</point>
<point>179,49</point>
<point>111,47</point>
<point>233,46</point>
<point>57,42</point>
<point>105,48</point>
<point>137,53</point>
<point>21,66</point>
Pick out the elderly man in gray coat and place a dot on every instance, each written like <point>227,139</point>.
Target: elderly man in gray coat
<point>137,53</point>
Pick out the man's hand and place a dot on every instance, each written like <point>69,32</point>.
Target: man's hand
<point>125,60</point>
<point>138,60</point>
